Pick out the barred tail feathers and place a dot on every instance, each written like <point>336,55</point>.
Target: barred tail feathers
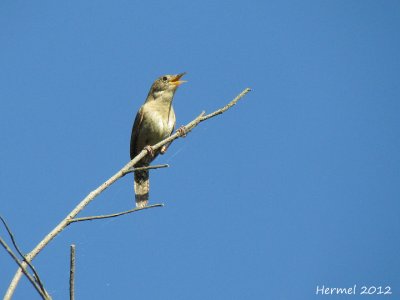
<point>142,187</point>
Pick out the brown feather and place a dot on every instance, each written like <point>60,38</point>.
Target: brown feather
<point>154,122</point>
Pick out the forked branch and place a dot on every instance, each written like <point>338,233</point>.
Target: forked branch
<point>42,292</point>
<point>92,195</point>
<point>36,281</point>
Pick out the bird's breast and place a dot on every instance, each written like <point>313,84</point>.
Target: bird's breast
<point>158,121</point>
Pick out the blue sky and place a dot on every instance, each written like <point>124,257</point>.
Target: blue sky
<point>295,187</point>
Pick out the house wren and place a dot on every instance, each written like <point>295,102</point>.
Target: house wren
<point>154,122</point>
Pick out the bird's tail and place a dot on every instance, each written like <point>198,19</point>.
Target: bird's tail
<point>142,187</point>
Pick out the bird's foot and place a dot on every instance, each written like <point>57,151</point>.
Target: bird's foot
<point>182,131</point>
<point>149,150</point>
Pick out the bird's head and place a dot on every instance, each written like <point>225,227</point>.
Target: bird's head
<point>166,85</point>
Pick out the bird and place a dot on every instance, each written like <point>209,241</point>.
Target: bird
<point>154,122</point>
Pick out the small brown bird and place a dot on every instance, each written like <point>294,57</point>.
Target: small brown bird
<point>154,122</point>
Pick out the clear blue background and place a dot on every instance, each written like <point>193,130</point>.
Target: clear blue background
<point>297,186</point>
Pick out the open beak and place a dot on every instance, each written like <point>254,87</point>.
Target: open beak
<point>175,80</point>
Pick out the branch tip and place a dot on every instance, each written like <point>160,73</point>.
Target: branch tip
<point>90,218</point>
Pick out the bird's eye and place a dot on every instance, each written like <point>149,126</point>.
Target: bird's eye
<point>164,78</point>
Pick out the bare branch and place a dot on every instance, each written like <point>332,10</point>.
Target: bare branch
<point>72,273</point>
<point>92,195</point>
<point>39,282</point>
<point>43,294</point>
<point>145,168</point>
<point>113,215</point>
<point>226,107</point>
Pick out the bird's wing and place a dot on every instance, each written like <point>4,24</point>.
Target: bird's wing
<point>136,132</point>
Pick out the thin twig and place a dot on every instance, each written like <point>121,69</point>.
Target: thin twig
<point>226,107</point>
<point>14,242</point>
<point>44,294</point>
<point>113,215</point>
<point>72,273</point>
<point>146,168</point>
<point>92,195</point>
